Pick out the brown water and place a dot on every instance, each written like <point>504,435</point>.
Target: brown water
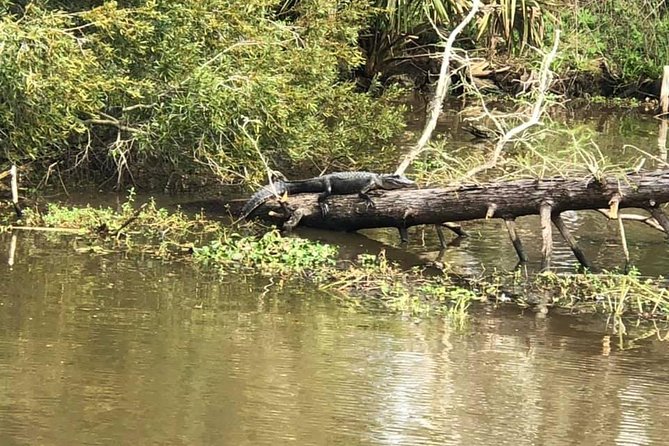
<point>109,349</point>
<point>115,350</point>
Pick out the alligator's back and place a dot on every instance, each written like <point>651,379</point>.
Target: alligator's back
<point>341,183</point>
<point>337,183</point>
<point>262,196</point>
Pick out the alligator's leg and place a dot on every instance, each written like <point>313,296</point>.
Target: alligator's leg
<point>404,234</point>
<point>363,194</point>
<point>327,191</point>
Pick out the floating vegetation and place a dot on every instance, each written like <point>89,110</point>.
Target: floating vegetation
<point>611,292</point>
<point>374,282</point>
<point>270,253</point>
<point>371,282</point>
<point>146,228</point>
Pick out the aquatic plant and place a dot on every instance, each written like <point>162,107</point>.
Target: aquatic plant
<point>612,293</point>
<point>373,281</point>
<point>370,282</point>
<point>147,227</point>
<point>270,253</point>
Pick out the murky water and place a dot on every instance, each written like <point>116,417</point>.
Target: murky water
<point>621,136</point>
<point>488,247</point>
<point>114,350</point>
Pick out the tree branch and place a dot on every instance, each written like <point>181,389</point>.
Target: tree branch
<point>544,84</point>
<point>436,104</point>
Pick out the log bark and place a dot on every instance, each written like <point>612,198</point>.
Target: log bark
<point>411,207</point>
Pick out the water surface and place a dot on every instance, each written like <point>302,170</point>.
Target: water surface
<point>129,350</point>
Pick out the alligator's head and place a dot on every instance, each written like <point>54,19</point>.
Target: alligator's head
<point>392,181</point>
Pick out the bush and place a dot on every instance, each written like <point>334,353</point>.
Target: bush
<point>184,83</point>
<point>633,37</point>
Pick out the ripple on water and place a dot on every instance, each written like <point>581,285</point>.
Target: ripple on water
<point>126,352</point>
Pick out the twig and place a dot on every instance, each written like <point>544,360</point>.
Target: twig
<point>650,221</point>
<point>623,241</point>
<point>113,123</point>
<point>660,217</point>
<point>130,219</point>
<point>268,170</point>
<point>12,251</point>
<point>15,191</point>
<point>544,84</point>
<point>46,229</point>
<point>436,104</point>
<point>515,240</point>
<point>136,106</point>
<point>571,241</point>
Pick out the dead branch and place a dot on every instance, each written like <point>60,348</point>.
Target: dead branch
<point>113,123</point>
<point>436,104</point>
<point>46,229</point>
<point>544,84</point>
<point>510,199</point>
<point>515,240</point>
<point>659,216</point>
<point>571,241</point>
<point>15,191</point>
<point>648,220</point>
<point>545,211</point>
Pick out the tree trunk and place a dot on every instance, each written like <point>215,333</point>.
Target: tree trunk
<point>507,200</point>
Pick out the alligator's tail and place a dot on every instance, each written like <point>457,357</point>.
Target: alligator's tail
<point>262,196</point>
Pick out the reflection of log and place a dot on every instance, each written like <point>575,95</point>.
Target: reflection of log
<point>507,200</point>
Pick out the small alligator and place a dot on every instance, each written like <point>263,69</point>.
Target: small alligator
<point>338,183</point>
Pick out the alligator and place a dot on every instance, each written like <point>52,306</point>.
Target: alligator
<point>338,183</point>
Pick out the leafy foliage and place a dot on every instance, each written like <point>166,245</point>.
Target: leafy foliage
<point>405,27</point>
<point>185,83</point>
<point>270,253</point>
<point>518,23</point>
<point>632,37</point>
<point>146,228</point>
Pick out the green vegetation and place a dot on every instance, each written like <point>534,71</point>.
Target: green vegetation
<point>401,30</point>
<point>370,282</point>
<point>181,87</point>
<point>613,293</point>
<point>178,89</point>
<point>186,89</point>
<point>146,228</point>
<point>154,89</point>
<point>632,38</point>
<point>270,253</point>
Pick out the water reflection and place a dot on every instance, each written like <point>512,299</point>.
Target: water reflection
<point>488,248</point>
<point>115,350</point>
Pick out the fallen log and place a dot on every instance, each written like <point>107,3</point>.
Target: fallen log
<point>507,200</point>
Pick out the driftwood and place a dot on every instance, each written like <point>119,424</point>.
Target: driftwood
<point>547,197</point>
